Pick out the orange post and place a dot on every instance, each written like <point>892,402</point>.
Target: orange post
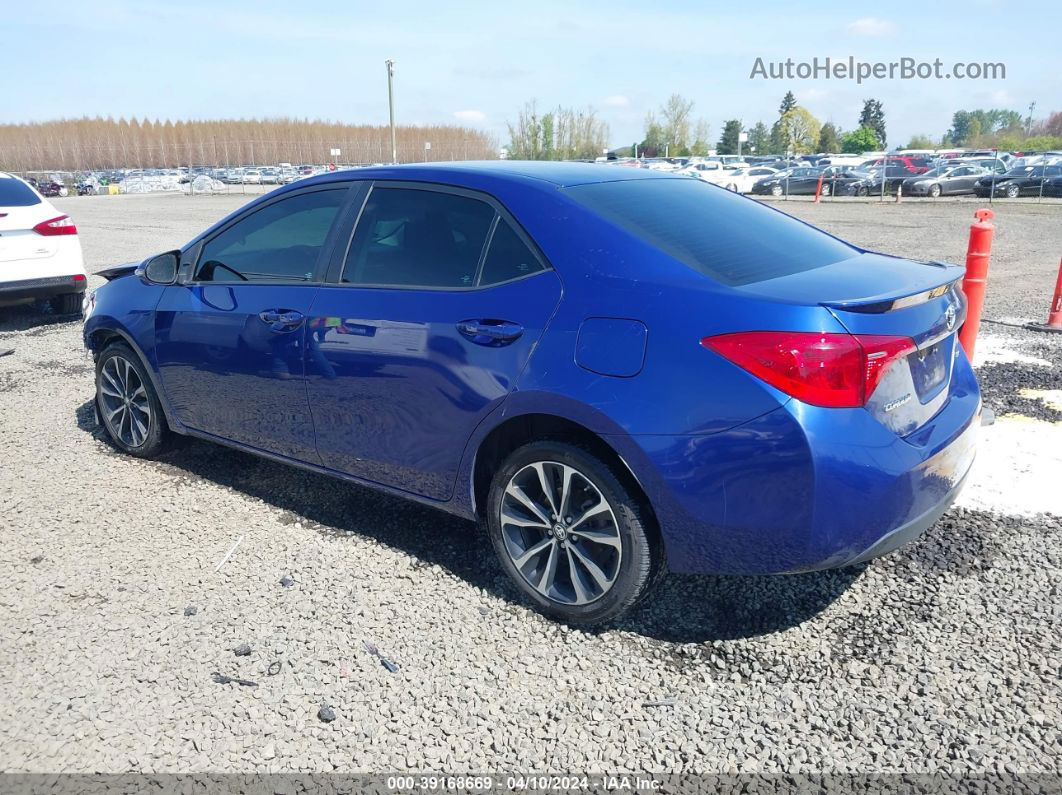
<point>1054,314</point>
<point>973,284</point>
<point>818,188</point>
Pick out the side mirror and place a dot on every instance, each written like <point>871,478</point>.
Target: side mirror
<point>162,269</point>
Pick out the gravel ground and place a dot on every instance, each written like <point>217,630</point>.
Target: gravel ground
<point>942,658</point>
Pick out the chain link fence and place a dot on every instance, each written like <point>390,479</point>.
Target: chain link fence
<point>213,165</point>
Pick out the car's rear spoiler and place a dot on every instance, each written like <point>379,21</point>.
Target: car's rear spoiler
<point>118,271</point>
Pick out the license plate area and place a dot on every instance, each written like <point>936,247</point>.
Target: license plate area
<point>929,368</point>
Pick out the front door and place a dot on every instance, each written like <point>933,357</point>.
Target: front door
<point>229,344</point>
<point>426,329</point>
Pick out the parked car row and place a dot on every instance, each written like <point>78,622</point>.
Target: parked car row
<point>958,178</point>
<point>953,173</point>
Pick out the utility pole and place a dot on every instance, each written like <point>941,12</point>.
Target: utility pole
<point>391,106</point>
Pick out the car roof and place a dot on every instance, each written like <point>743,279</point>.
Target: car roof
<point>474,173</point>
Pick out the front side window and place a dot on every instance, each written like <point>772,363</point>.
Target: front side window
<point>280,242</point>
<point>418,238</point>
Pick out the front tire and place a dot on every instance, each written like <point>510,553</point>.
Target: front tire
<point>571,536</point>
<point>934,191</point>
<point>776,190</point>
<point>128,405</point>
<point>825,190</point>
<point>1012,191</point>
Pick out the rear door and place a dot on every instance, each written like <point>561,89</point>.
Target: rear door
<point>423,329</point>
<point>961,180</point>
<point>229,343</point>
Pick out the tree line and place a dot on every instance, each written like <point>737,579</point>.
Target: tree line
<point>101,143</point>
<point>558,134</point>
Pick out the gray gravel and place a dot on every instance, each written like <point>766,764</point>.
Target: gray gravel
<point>944,657</point>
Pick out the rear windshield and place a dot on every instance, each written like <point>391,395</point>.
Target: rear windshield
<point>727,237</point>
<point>14,193</point>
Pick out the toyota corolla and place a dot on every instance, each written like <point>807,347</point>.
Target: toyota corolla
<point>619,371</point>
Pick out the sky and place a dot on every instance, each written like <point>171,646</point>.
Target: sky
<point>477,63</point>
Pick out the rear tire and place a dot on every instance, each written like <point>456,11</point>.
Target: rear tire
<point>66,304</point>
<point>581,572</point>
<point>127,403</point>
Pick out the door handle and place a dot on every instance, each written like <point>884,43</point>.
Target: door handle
<point>492,333</point>
<point>281,319</point>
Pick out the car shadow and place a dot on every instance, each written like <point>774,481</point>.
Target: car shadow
<point>26,317</point>
<point>684,609</point>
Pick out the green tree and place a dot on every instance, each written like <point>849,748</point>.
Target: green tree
<point>728,142</point>
<point>862,140</point>
<point>548,151</point>
<point>829,138</point>
<point>677,113</point>
<point>788,103</point>
<point>701,133</point>
<point>959,132</point>
<point>873,116</point>
<point>795,131</point>
<point>525,136</point>
<point>759,139</point>
<point>653,142</point>
<point>920,142</point>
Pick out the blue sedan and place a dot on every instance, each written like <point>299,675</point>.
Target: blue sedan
<point>620,372</point>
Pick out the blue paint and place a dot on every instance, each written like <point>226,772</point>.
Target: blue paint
<point>397,388</point>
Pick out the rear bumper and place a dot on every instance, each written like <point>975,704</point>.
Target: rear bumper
<point>912,530</point>
<point>44,287</point>
<point>802,489</point>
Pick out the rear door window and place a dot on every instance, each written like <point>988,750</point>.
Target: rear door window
<point>418,238</point>
<point>508,257</point>
<point>725,236</point>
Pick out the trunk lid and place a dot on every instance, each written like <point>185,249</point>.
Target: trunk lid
<point>18,241</point>
<point>876,294</point>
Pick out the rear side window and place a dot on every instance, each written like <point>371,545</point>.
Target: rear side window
<point>727,237</point>
<point>280,242</point>
<point>418,238</point>
<point>14,193</point>
<point>508,257</point>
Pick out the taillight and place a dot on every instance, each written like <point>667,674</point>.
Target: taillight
<point>56,226</point>
<point>830,370</point>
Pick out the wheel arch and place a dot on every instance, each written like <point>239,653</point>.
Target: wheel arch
<point>516,431</point>
<point>101,336</point>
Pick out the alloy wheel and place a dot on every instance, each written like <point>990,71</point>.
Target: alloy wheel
<point>124,402</point>
<point>560,533</point>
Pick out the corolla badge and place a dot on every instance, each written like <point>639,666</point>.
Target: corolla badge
<point>949,316</point>
<point>895,404</point>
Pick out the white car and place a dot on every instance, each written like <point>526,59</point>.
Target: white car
<point>741,180</point>
<point>706,170</point>
<point>40,253</point>
<point>252,176</point>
